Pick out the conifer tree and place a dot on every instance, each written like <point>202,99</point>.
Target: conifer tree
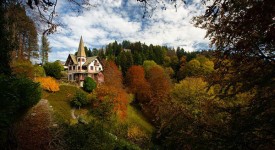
<point>45,49</point>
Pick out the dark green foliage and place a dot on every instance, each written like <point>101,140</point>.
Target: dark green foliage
<point>94,136</point>
<point>125,61</point>
<point>6,45</point>
<point>45,49</point>
<point>88,137</point>
<point>89,84</point>
<point>80,99</point>
<point>103,109</point>
<point>53,69</point>
<point>17,95</point>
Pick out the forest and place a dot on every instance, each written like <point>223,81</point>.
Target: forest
<point>153,96</point>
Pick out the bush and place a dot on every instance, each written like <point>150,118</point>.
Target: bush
<point>17,95</point>
<point>48,83</point>
<point>53,69</point>
<point>80,99</point>
<point>89,84</point>
<point>39,71</point>
<point>94,136</point>
<point>91,136</point>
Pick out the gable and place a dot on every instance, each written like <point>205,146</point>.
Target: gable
<point>71,60</point>
<point>89,60</point>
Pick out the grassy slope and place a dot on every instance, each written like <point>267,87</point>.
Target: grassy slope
<point>61,106</point>
<point>135,117</point>
<point>60,101</point>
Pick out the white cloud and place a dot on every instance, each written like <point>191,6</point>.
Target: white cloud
<point>110,21</point>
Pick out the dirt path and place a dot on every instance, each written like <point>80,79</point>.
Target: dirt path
<point>33,131</point>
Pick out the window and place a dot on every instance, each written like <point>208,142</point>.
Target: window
<point>73,67</point>
<point>78,68</point>
<point>70,67</point>
<point>78,59</point>
<point>92,67</point>
<point>83,60</point>
<point>99,69</point>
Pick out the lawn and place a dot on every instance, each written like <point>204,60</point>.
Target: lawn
<point>60,101</point>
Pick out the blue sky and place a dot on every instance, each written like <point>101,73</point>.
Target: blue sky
<point>120,20</point>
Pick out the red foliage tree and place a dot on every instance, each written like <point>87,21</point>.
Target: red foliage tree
<point>137,83</point>
<point>113,89</point>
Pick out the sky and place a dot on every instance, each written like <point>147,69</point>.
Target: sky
<point>110,20</point>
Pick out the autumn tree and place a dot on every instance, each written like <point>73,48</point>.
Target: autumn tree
<point>160,86</point>
<point>243,35</point>
<point>24,33</point>
<point>112,89</point>
<point>199,66</point>
<point>184,117</point>
<point>137,84</point>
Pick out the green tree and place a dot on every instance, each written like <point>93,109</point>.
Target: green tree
<point>80,99</point>
<point>148,64</point>
<point>53,69</point>
<point>45,49</point>
<point>89,84</point>
<point>125,60</point>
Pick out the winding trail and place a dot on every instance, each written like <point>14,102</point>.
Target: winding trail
<point>33,132</point>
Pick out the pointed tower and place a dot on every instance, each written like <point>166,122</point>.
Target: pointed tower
<point>81,55</point>
<point>81,51</point>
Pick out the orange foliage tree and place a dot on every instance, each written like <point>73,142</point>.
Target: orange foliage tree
<point>137,84</point>
<point>48,83</point>
<point>112,89</point>
<point>160,88</point>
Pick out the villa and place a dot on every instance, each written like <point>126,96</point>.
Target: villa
<point>80,66</point>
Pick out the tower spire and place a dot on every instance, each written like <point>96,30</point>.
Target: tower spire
<point>81,51</point>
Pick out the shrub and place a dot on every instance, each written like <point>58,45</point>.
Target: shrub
<point>39,71</point>
<point>53,69</point>
<point>48,83</point>
<point>80,99</point>
<point>89,84</point>
<point>94,136</point>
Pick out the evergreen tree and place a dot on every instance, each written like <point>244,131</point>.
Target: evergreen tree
<point>45,49</point>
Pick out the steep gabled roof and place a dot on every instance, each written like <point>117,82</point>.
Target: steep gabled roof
<point>81,51</point>
<point>89,60</point>
<point>73,57</point>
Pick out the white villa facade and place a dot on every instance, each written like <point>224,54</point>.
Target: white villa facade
<point>80,66</point>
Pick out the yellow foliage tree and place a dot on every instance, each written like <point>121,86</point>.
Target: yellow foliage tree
<point>48,83</point>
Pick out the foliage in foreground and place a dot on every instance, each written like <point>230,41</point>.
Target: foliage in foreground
<point>93,136</point>
<point>17,95</point>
